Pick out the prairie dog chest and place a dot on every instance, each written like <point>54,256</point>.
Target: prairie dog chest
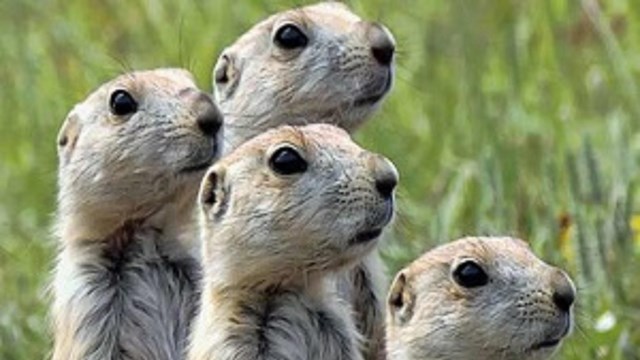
<point>133,303</point>
<point>292,326</point>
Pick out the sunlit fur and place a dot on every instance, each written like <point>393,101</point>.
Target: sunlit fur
<point>274,244</point>
<point>325,82</point>
<point>125,277</point>
<point>334,79</point>
<point>432,317</point>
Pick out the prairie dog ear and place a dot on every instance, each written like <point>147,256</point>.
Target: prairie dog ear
<point>213,196</point>
<point>225,76</point>
<point>68,135</point>
<point>401,299</point>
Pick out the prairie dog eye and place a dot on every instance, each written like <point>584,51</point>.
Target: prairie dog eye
<point>122,103</point>
<point>287,161</point>
<point>468,274</point>
<point>289,36</point>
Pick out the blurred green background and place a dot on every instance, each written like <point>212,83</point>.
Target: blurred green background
<point>515,117</point>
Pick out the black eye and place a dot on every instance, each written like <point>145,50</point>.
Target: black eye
<point>122,103</point>
<point>290,37</point>
<point>287,161</point>
<point>470,275</point>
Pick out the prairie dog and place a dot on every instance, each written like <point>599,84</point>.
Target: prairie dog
<point>315,64</point>
<point>130,158</point>
<point>479,298</point>
<point>281,217</point>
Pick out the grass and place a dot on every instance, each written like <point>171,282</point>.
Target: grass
<point>507,117</point>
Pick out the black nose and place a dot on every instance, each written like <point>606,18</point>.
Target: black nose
<point>564,294</point>
<point>210,121</point>
<point>382,44</point>
<point>207,115</point>
<point>209,118</point>
<point>385,185</point>
<point>385,175</point>
<point>563,300</point>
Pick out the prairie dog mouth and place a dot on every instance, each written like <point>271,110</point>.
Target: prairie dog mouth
<point>546,344</point>
<point>375,228</point>
<point>369,100</point>
<point>555,341</point>
<point>377,96</point>
<point>197,167</point>
<point>203,164</point>
<point>366,236</point>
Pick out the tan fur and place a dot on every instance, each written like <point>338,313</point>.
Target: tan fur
<point>125,278</point>
<point>273,245</point>
<point>431,316</point>
<point>334,79</point>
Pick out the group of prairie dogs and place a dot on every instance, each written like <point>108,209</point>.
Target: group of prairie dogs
<point>282,262</point>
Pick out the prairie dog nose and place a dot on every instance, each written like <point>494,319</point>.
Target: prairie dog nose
<point>385,175</point>
<point>564,292</point>
<point>208,116</point>
<point>382,43</point>
<point>210,121</point>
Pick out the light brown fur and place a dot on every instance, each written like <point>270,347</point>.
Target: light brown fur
<point>334,79</point>
<point>126,275</point>
<point>274,243</point>
<point>522,312</point>
<point>339,78</point>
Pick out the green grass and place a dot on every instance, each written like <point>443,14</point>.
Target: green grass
<point>507,117</point>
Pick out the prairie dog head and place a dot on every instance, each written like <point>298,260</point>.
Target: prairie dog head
<point>294,202</point>
<point>136,143</point>
<point>319,63</point>
<point>479,298</point>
